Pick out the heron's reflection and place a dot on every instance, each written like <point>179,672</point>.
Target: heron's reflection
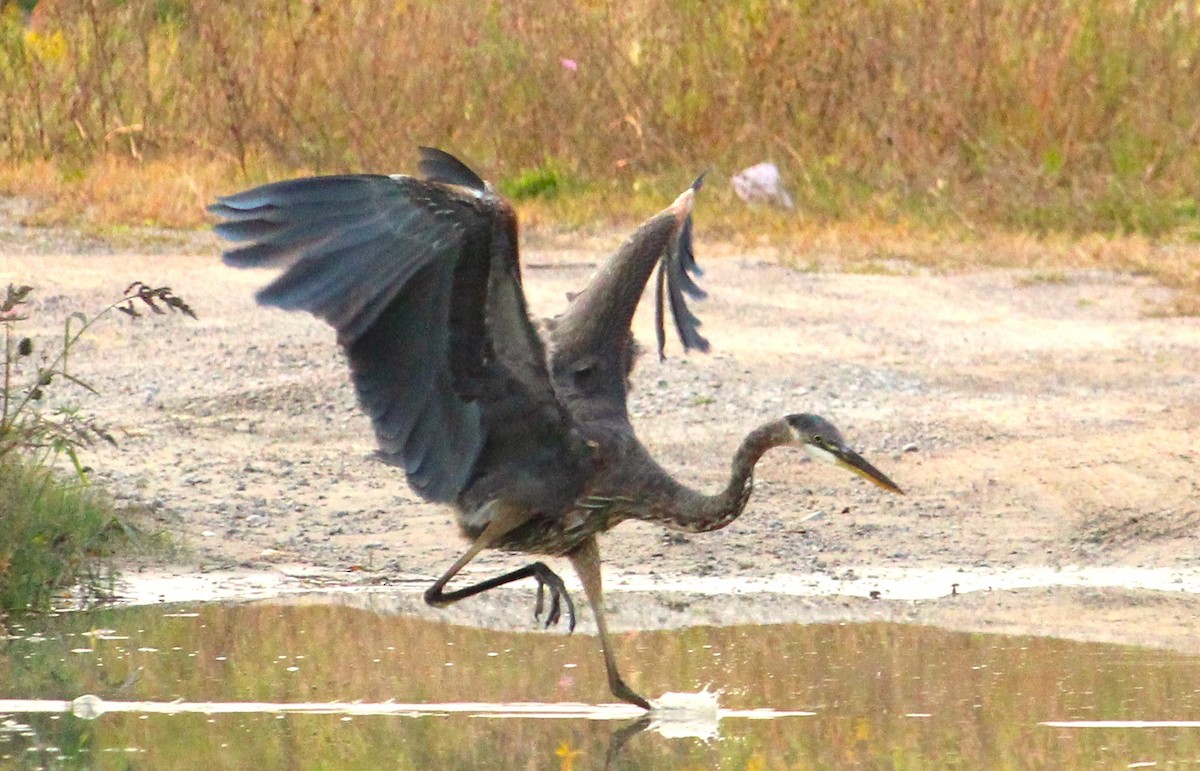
<point>622,735</point>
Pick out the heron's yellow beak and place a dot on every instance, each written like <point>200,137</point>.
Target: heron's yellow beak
<point>849,459</point>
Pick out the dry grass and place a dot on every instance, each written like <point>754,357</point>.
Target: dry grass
<point>945,121</point>
<point>170,192</point>
<point>876,245</point>
<point>1047,115</point>
<point>115,192</point>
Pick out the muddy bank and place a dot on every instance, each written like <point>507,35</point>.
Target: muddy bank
<point>1036,425</point>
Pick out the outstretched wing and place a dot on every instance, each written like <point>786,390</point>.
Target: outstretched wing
<point>592,347</point>
<point>419,278</point>
<point>673,283</point>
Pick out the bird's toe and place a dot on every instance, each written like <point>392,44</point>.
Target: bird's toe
<point>549,582</point>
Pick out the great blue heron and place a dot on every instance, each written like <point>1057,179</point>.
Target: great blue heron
<point>529,439</point>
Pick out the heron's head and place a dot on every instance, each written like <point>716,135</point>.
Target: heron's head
<point>823,442</point>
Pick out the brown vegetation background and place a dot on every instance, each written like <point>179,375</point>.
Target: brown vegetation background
<point>1039,116</point>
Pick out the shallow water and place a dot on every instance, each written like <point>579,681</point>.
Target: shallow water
<point>315,685</point>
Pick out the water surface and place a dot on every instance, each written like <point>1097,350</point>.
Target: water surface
<point>314,685</point>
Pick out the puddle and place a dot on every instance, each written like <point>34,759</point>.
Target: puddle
<point>865,581</point>
<point>923,583</point>
<point>313,685</point>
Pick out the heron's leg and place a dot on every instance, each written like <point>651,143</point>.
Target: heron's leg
<point>586,559</point>
<point>503,521</point>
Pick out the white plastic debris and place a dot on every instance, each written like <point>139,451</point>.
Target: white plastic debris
<point>761,183</point>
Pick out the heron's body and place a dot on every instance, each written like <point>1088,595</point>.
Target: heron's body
<point>527,436</point>
<point>626,483</point>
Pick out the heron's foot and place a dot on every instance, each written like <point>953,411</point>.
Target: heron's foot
<point>548,580</point>
<point>625,693</point>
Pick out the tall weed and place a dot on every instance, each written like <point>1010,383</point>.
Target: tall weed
<point>55,533</point>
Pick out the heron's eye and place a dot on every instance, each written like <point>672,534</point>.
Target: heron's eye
<point>818,439</point>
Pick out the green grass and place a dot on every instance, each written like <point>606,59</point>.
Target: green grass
<point>546,180</point>
<point>56,536</point>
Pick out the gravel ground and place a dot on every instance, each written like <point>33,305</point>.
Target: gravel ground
<point>1040,426</point>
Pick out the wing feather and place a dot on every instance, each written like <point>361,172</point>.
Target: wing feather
<point>687,326</point>
<point>441,166</point>
<point>420,279</point>
<point>592,344</point>
<point>375,257</point>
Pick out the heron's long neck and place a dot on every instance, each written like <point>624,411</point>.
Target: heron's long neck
<point>697,512</point>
